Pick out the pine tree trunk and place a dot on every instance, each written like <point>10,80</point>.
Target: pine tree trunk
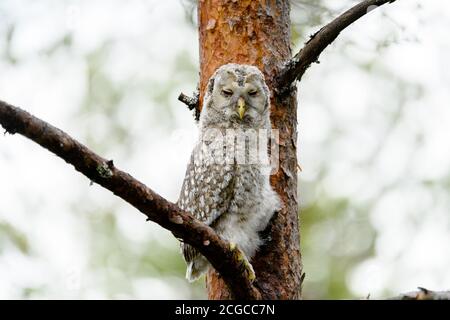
<point>258,33</point>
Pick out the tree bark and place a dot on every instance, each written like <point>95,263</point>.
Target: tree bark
<point>258,33</point>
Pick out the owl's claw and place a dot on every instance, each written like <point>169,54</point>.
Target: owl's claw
<point>249,270</point>
<point>245,264</point>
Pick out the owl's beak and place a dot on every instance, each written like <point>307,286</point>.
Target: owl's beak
<point>241,107</point>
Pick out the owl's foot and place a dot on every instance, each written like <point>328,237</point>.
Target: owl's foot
<point>246,266</point>
<point>249,269</point>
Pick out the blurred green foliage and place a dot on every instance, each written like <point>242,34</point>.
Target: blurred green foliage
<point>9,234</point>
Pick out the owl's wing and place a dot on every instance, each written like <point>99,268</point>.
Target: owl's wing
<point>206,192</point>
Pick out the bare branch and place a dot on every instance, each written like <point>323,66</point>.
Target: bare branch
<point>183,226</point>
<point>297,66</point>
<point>192,103</point>
<point>423,294</point>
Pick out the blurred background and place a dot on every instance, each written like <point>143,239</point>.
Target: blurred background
<point>374,125</point>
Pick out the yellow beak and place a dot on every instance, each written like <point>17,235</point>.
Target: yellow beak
<point>241,107</point>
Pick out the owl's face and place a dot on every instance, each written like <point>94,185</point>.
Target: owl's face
<point>237,95</point>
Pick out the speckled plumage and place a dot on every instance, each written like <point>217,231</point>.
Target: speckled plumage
<point>233,197</point>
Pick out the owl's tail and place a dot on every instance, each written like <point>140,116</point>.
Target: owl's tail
<point>196,268</point>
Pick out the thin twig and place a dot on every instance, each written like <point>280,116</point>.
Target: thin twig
<point>192,103</point>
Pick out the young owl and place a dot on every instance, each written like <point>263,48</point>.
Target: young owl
<point>226,185</point>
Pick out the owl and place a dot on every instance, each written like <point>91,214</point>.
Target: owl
<point>222,186</point>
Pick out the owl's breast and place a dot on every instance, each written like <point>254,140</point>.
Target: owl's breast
<point>246,191</point>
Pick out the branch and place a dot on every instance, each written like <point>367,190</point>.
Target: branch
<point>423,294</point>
<point>192,103</point>
<point>226,260</point>
<point>297,66</point>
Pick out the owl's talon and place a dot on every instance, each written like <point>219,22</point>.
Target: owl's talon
<point>245,264</point>
<point>249,270</point>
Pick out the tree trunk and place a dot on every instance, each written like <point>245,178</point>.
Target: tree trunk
<point>258,33</point>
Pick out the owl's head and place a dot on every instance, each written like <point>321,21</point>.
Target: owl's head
<point>236,96</point>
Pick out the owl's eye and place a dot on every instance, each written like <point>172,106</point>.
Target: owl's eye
<point>227,92</point>
<point>252,93</point>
